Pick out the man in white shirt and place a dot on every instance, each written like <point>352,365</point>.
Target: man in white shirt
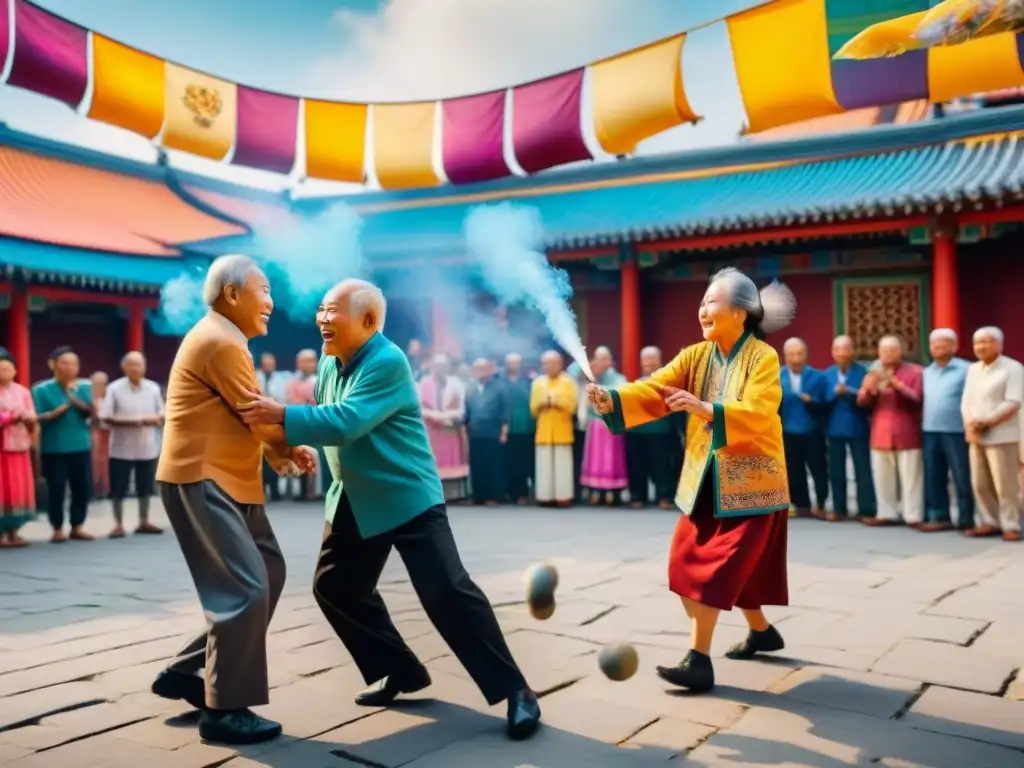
<point>133,409</point>
<point>991,405</point>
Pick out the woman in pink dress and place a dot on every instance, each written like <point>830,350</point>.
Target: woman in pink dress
<point>100,440</point>
<point>443,403</point>
<point>17,482</point>
<point>603,472</point>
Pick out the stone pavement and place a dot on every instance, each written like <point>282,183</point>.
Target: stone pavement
<point>903,651</point>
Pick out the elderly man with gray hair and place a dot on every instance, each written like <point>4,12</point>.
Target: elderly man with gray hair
<point>992,401</point>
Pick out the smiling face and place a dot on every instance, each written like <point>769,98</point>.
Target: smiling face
<point>7,372</point>
<point>249,305</point>
<point>986,347</point>
<point>842,351</point>
<point>719,320</point>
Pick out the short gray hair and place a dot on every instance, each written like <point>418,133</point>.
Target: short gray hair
<point>369,299</point>
<point>794,341</point>
<point>768,310</point>
<point>224,271</point>
<point>651,350</point>
<point>843,338</point>
<point>133,354</point>
<point>990,330</point>
<point>891,339</point>
<point>943,333</point>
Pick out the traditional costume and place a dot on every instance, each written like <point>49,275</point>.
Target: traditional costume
<point>729,547</point>
<point>604,454</point>
<point>443,404</point>
<point>553,402</point>
<point>17,482</point>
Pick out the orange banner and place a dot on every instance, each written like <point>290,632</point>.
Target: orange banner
<point>403,145</point>
<point>336,141</point>
<point>128,87</point>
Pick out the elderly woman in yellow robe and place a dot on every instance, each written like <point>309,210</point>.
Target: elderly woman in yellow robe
<point>729,547</point>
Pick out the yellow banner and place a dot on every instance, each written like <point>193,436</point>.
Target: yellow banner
<point>336,141</point>
<point>403,145</point>
<point>128,87</point>
<point>782,63</point>
<point>983,64</point>
<point>202,113</point>
<point>638,95</point>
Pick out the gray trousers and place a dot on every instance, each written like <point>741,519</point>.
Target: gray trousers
<point>239,572</point>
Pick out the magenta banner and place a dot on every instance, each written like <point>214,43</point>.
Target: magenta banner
<point>546,127</point>
<point>268,125</point>
<point>50,55</point>
<point>473,138</point>
<point>5,36</point>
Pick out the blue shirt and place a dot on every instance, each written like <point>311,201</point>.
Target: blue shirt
<point>846,419</point>
<point>381,457</point>
<point>487,408</point>
<point>70,432</point>
<point>943,391</point>
<point>798,417</point>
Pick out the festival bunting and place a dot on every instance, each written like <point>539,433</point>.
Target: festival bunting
<point>546,130</point>
<point>403,145</point>
<point>473,138</point>
<point>128,87</point>
<point>985,64</point>
<point>336,140</point>
<point>5,36</point>
<point>202,112</point>
<point>268,127</point>
<point>50,55</point>
<point>639,94</point>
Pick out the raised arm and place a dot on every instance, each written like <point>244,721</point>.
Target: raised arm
<point>740,423</point>
<point>229,370</point>
<point>644,401</point>
<point>376,395</point>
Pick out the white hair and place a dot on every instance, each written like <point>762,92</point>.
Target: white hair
<point>513,356</point>
<point>651,350</point>
<point>225,271</point>
<point>369,299</point>
<point>134,354</point>
<point>440,359</point>
<point>989,330</point>
<point>602,351</point>
<point>891,339</point>
<point>843,338</point>
<point>769,310</point>
<point>551,354</point>
<point>943,333</point>
<point>794,341</point>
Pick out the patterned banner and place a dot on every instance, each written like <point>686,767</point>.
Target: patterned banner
<point>202,113</point>
<point>50,55</point>
<point>638,95</point>
<point>546,130</point>
<point>128,87</point>
<point>473,138</point>
<point>336,141</point>
<point>268,127</point>
<point>403,145</point>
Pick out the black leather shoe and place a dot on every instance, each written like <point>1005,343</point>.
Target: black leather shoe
<point>694,673</point>
<point>178,686</point>
<point>765,641</point>
<point>386,690</point>
<point>236,726</point>
<point>523,715</point>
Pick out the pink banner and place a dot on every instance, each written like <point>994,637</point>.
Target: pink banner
<point>473,138</point>
<point>268,126</point>
<point>50,55</point>
<point>546,128</point>
<point>5,35</point>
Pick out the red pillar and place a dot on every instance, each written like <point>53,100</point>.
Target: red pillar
<point>136,335</point>
<point>18,335</point>
<point>630,303</point>
<point>945,291</point>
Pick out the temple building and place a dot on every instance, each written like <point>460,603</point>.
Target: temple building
<point>897,225</point>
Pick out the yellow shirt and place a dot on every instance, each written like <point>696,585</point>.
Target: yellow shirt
<point>554,422</point>
<point>742,445</point>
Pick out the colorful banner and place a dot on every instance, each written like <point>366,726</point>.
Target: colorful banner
<point>128,87</point>
<point>202,112</point>
<point>403,145</point>
<point>336,140</point>
<point>5,36</point>
<point>985,64</point>
<point>473,138</point>
<point>638,95</point>
<point>874,82</point>
<point>50,55</point>
<point>546,130</point>
<point>268,128</point>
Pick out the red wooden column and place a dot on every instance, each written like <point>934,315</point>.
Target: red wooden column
<point>136,332</point>
<point>945,289</point>
<point>18,334</point>
<point>630,304</point>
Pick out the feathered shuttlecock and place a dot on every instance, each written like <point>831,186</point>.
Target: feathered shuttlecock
<point>778,305</point>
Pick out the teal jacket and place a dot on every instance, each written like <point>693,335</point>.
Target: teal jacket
<point>369,422</point>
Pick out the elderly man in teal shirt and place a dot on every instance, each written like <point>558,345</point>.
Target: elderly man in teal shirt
<point>387,493</point>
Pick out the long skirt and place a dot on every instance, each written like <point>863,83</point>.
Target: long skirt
<point>17,490</point>
<point>553,474</point>
<point>604,459</point>
<point>730,561</point>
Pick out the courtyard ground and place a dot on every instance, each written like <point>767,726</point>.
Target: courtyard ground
<point>902,650</point>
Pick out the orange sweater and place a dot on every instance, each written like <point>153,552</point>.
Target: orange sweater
<point>204,436</point>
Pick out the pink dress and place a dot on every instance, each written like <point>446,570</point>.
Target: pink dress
<point>17,482</point>
<point>444,408</point>
<point>299,391</point>
<point>604,454</point>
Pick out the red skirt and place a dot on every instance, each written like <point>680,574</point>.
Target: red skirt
<point>723,562</point>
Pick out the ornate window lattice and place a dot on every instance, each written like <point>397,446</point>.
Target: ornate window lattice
<point>874,310</point>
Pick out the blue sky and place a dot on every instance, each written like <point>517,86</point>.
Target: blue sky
<point>392,50</point>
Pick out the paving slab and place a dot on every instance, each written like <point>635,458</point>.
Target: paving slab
<point>971,715</point>
<point>944,664</point>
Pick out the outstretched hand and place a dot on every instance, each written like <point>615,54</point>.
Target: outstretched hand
<point>600,399</point>
<point>261,410</point>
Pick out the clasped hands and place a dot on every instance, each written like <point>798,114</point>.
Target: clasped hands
<point>265,411</point>
<point>676,400</point>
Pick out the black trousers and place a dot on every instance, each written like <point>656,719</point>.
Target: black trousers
<point>649,457</point>
<point>806,453</point>
<point>345,588</point>
<point>121,471</point>
<point>578,446</point>
<point>487,468</point>
<point>519,464</point>
<point>62,471</point>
